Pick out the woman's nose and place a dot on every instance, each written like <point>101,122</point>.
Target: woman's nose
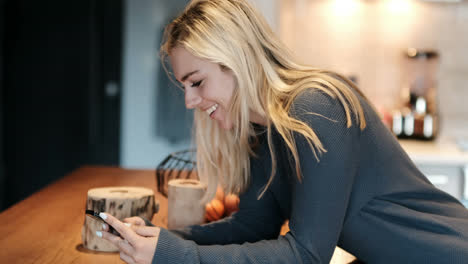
<point>192,99</point>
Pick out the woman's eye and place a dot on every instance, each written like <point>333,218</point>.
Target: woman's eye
<point>196,84</point>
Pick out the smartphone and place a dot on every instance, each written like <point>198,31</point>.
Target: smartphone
<point>95,216</point>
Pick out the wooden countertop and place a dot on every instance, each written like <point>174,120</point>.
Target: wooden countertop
<point>46,227</point>
<point>439,152</point>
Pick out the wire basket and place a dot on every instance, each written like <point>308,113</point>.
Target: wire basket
<point>177,165</point>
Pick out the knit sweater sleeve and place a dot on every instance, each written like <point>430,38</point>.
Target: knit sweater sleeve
<point>256,219</point>
<point>319,200</point>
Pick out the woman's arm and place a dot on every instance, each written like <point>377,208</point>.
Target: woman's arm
<point>319,202</point>
<point>255,220</point>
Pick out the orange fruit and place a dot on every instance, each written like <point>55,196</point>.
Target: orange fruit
<point>214,210</point>
<point>231,203</point>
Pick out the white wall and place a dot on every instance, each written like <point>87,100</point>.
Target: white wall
<point>269,9</point>
<point>140,148</point>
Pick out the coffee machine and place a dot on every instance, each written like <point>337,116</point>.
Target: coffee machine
<point>416,115</point>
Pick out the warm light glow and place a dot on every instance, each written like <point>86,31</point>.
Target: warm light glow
<point>398,6</point>
<point>345,7</point>
<point>444,1</point>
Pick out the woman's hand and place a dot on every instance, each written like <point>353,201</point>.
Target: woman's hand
<point>137,243</point>
<point>135,221</point>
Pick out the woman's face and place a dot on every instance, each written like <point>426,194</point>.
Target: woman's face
<point>207,86</point>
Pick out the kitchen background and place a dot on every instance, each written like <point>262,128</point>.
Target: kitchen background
<point>360,38</point>
<point>367,39</point>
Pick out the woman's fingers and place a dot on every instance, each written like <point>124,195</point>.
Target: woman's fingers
<point>126,258</point>
<point>144,247</point>
<point>135,220</point>
<point>105,227</point>
<point>124,230</point>
<point>120,243</point>
<point>148,231</point>
<point>130,222</point>
<point>125,247</point>
<point>139,244</point>
<point>109,237</point>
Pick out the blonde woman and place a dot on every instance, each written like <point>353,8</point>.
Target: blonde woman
<point>298,144</point>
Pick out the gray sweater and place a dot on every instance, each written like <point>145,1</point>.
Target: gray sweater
<point>365,195</point>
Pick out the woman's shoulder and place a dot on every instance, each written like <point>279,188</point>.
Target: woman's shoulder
<point>316,103</point>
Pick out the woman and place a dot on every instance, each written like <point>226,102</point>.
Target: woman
<point>297,143</point>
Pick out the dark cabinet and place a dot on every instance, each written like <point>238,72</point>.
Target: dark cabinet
<point>2,162</point>
<point>61,102</point>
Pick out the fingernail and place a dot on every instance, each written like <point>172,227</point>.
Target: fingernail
<point>99,233</point>
<point>103,216</point>
<point>127,224</point>
<point>104,226</point>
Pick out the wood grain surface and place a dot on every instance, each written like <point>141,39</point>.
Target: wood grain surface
<point>46,227</point>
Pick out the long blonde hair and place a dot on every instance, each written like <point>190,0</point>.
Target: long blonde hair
<point>234,35</point>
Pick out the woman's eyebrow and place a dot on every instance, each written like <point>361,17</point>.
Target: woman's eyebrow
<point>188,75</point>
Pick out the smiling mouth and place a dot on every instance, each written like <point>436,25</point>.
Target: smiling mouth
<point>211,110</point>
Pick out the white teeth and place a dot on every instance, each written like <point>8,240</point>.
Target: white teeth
<point>210,110</point>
